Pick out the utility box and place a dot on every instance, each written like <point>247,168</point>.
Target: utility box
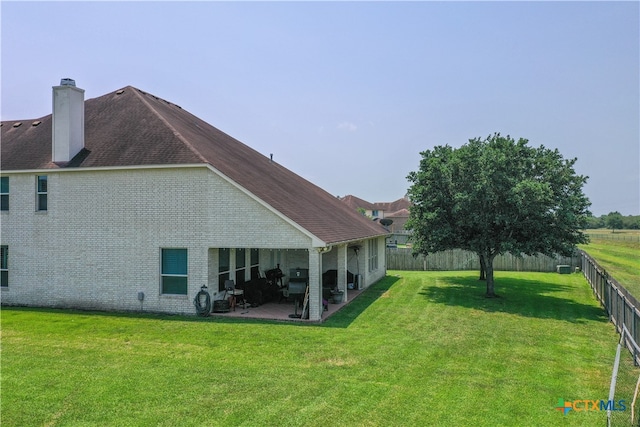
<point>563,269</point>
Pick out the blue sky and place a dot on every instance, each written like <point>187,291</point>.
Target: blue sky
<point>347,94</point>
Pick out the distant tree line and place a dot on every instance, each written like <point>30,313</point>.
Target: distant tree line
<point>614,221</point>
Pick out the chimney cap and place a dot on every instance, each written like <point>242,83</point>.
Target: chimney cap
<point>67,82</point>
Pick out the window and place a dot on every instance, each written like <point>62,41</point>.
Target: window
<point>41,193</point>
<point>254,258</point>
<point>4,193</point>
<point>4,266</point>
<point>375,213</point>
<point>232,265</point>
<point>224,265</point>
<point>373,254</point>
<point>174,271</point>
<point>241,263</point>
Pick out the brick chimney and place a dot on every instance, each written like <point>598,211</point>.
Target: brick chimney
<point>68,121</point>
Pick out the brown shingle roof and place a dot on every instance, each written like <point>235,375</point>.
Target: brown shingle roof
<point>355,202</point>
<point>402,213</point>
<point>402,203</point>
<point>129,127</point>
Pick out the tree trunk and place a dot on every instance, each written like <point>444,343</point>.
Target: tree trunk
<point>482,268</point>
<point>489,273</point>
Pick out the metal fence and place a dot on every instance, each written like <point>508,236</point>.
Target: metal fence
<point>621,306</point>
<point>622,309</point>
<point>403,259</point>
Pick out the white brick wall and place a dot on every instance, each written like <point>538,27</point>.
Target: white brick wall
<point>99,242</point>
<point>381,271</point>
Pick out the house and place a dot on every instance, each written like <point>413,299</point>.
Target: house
<point>129,202</point>
<point>399,218</point>
<point>397,210</point>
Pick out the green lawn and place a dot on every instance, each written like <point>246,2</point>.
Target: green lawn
<point>416,349</point>
<point>621,258</point>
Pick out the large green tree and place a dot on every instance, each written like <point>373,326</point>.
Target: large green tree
<point>495,196</point>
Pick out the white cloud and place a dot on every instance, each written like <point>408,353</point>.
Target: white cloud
<point>348,126</point>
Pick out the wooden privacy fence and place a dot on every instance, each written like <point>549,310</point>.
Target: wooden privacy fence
<point>403,259</point>
<point>621,306</point>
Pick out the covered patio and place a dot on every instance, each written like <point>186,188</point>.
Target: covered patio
<point>282,310</point>
<point>263,276</point>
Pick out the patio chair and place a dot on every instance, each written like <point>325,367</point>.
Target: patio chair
<point>230,289</point>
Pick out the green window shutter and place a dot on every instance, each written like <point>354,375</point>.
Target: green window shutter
<point>174,285</point>
<point>4,263</point>
<point>42,184</point>
<point>174,271</point>
<point>42,192</point>
<point>174,261</point>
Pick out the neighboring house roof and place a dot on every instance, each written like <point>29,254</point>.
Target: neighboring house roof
<point>395,206</point>
<point>355,202</point>
<point>402,213</point>
<point>129,127</point>
<point>399,218</point>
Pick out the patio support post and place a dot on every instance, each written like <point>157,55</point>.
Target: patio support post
<point>315,296</point>
<point>198,260</point>
<point>342,269</point>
